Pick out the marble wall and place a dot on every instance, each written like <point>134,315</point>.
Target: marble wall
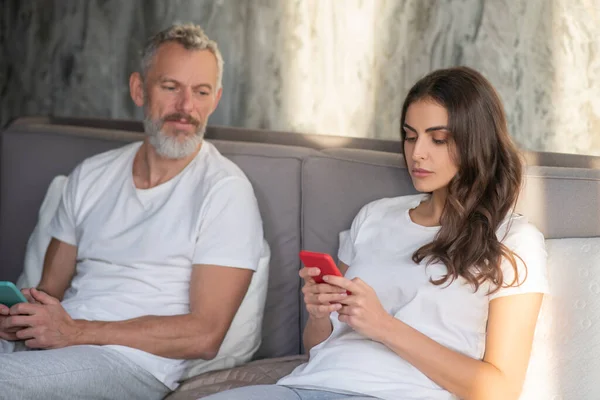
<point>320,66</point>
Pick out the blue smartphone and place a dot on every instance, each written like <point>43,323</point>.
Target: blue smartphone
<point>10,295</point>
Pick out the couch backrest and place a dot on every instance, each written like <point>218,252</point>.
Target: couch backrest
<point>306,197</point>
<point>561,201</point>
<point>275,173</point>
<point>32,154</point>
<point>336,183</point>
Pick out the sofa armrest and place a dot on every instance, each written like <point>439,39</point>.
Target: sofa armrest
<point>260,372</point>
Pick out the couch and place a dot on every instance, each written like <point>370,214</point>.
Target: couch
<point>309,188</point>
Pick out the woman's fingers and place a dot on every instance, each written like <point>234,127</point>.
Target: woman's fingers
<point>323,310</point>
<point>321,299</point>
<point>321,288</point>
<point>324,299</point>
<point>308,273</point>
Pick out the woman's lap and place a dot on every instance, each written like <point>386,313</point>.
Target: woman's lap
<point>277,392</point>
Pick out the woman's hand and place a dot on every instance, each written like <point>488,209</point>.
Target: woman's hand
<point>361,310</point>
<point>321,299</point>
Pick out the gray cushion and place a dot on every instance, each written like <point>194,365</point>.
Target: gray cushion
<point>275,174</point>
<point>29,158</point>
<point>562,202</point>
<point>337,183</point>
<point>262,372</point>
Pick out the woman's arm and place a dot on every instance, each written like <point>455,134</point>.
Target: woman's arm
<point>317,298</point>
<point>316,331</point>
<point>500,375</point>
<point>511,326</point>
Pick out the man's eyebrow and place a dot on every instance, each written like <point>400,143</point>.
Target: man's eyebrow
<point>204,85</point>
<point>166,79</point>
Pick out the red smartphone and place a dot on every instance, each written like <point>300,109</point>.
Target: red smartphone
<point>322,261</point>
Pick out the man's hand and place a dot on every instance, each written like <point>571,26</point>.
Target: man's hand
<point>45,325</point>
<point>9,333</point>
<point>27,293</point>
<point>6,333</point>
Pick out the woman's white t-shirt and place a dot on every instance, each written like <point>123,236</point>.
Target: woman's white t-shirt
<point>378,248</point>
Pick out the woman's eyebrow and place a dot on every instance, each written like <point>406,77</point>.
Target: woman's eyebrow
<point>432,129</point>
<point>407,126</point>
<point>437,128</point>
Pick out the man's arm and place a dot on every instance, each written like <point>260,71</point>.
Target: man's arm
<point>216,293</point>
<point>59,268</point>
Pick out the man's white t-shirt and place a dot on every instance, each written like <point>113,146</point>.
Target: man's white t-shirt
<point>378,249</point>
<point>136,247</point>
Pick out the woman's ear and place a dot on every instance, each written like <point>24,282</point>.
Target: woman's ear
<point>136,89</point>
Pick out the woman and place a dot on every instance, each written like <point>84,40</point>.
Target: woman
<point>446,285</point>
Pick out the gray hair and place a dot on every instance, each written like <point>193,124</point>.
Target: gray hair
<point>191,37</point>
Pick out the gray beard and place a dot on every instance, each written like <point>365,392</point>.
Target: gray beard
<point>168,146</point>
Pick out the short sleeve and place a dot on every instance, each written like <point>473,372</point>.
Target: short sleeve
<point>346,251</point>
<point>63,224</point>
<point>230,232</point>
<point>526,241</point>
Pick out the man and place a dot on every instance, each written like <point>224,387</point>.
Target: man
<point>154,246</point>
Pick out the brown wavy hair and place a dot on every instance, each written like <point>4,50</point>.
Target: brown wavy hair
<point>486,186</point>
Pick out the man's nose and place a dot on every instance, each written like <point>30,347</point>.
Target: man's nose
<point>185,101</point>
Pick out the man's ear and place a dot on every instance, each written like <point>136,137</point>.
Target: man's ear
<point>136,89</point>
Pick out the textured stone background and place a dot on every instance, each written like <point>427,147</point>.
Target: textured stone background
<point>321,66</point>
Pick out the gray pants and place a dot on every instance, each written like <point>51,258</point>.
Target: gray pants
<point>77,372</point>
<point>275,392</point>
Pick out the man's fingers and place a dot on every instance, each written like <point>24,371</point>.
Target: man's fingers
<point>43,297</point>
<point>24,309</point>
<point>27,293</point>
<point>4,310</point>
<point>8,336</point>
<point>27,333</point>
<point>16,321</point>
<point>32,344</point>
